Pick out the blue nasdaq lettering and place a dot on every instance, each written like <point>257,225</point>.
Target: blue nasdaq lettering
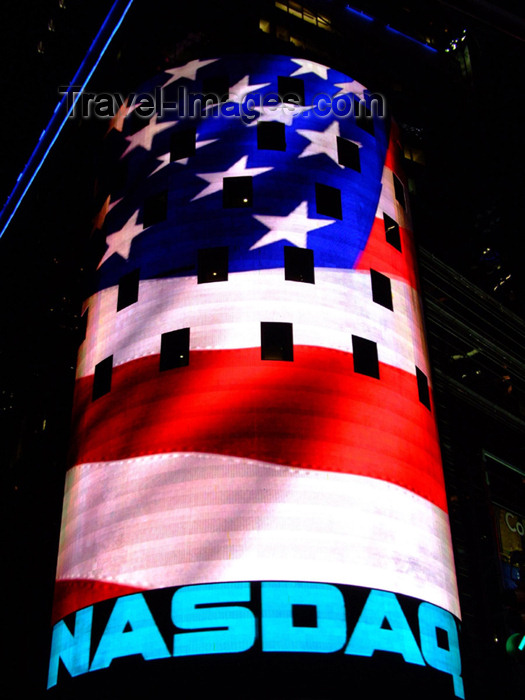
<point>448,660</point>
<point>279,632</point>
<point>296,617</point>
<point>143,637</point>
<point>369,634</point>
<point>73,649</point>
<point>237,623</point>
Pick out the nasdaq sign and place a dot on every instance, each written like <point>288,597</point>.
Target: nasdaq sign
<point>219,619</point>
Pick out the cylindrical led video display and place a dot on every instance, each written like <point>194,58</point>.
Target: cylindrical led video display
<point>256,499</point>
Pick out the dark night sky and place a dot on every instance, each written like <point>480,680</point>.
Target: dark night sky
<point>36,317</point>
<point>29,78</point>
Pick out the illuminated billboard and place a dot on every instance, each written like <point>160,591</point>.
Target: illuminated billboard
<point>511,540</point>
<point>256,479</point>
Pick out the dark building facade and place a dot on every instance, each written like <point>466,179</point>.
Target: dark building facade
<point>437,67</point>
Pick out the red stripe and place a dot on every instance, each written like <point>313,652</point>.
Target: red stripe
<point>383,257</point>
<point>380,255</point>
<point>394,154</point>
<point>314,412</point>
<point>72,595</point>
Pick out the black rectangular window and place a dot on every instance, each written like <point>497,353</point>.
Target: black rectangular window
<point>299,264</point>
<point>271,136</point>
<point>212,265</point>
<point>422,388</point>
<point>291,90</point>
<point>155,209</point>
<point>182,144</point>
<point>348,154</point>
<point>128,289</point>
<point>365,356</point>
<point>363,117</point>
<point>399,190</point>
<point>175,349</point>
<point>381,289</point>
<point>328,201</point>
<point>237,192</point>
<point>392,232</point>
<point>102,377</point>
<point>276,341</point>
<point>217,89</point>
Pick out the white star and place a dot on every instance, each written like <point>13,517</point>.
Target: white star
<point>283,112</point>
<point>145,136</point>
<point>323,142</point>
<point>238,169</point>
<point>238,92</point>
<point>165,158</point>
<point>353,88</point>
<point>120,241</point>
<point>293,228</point>
<point>310,67</point>
<point>98,220</point>
<point>187,71</point>
<point>117,120</point>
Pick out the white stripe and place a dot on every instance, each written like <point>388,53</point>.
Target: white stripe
<point>184,518</point>
<point>227,315</point>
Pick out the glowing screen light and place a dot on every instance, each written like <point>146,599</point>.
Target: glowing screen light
<point>256,467</point>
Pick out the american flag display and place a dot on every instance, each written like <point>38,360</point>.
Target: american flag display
<point>253,398</point>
